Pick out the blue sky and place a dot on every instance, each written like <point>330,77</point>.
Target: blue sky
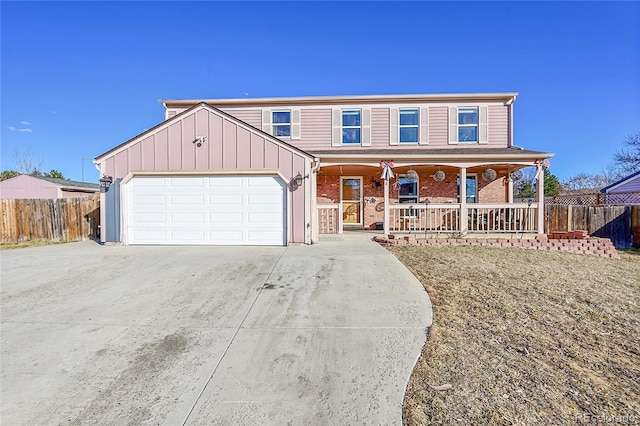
<point>78,78</point>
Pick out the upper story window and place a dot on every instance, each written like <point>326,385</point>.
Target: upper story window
<point>468,124</point>
<point>281,122</point>
<point>409,125</point>
<point>351,126</point>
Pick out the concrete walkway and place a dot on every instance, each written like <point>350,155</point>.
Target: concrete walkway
<point>322,334</point>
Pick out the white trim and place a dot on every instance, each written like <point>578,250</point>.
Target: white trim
<point>361,218</point>
<point>503,97</point>
<point>412,126</point>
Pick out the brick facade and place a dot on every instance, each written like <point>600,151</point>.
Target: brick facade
<point>328,191</point>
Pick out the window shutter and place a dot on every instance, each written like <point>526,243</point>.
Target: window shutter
<point>394,115</point>
<point>336,133</point>
<point>365,139</point>
<point>295,123</point>
<point>483,124</point>
<point>424,126</point>
<point>453,125</point>
<point>266,121</point>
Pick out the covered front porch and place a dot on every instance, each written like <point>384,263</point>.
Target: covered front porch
<point>425,197</point>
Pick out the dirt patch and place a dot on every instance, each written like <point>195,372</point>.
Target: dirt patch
<point>525,337</point>
<point>131,395</point>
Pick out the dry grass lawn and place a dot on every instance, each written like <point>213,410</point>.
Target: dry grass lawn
<point>29,243</point>
<point>526,337</point>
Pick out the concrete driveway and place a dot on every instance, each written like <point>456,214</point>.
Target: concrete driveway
<point>322,334</point>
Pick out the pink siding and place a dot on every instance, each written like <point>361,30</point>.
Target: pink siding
<point>202,129</point>
<point>379,127</point>
<point>29,187</point>
<point>161,150</point>
<point>244,148</point>
<point>135,157</point>
<point>229,156</point>
<point>438,126</point>
<point>271,155</point>
<point>498,130</point>
<point>25,186</point>
<point>175,147</point>
<point>229,146</point>
<point>188,136</point>
<point>252,117</point>
<point>214,142</point>
<point>257,152</point>
<point>122,164</point>
<point>148,154</point>
<point>315,129</point>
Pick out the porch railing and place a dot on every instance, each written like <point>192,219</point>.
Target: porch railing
<point>507,218</point>
<point>445,218</point>
<point>329,219</point>
<point>424,218</point>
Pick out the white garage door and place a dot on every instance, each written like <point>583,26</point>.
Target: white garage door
<point>225,210</point>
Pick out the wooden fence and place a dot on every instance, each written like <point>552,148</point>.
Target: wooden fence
<point>619,223</point>
<point>66,219</point>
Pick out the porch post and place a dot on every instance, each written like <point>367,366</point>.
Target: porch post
<point>464,222</point>
<point>386,206</point>
<point>540,194</point>
<point>509,189</point>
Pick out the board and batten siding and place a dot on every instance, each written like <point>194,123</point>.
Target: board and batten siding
<point>228,146</point>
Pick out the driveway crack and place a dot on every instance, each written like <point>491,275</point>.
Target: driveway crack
<point>215,368</point>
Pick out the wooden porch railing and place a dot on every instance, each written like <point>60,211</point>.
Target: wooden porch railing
<point>507,218</point>
<point>424,218</point>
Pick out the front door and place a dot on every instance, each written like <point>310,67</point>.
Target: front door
<point>351,200</point>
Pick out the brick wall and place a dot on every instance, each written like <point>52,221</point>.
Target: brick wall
<point>328,191</point>
<point>602,247</point>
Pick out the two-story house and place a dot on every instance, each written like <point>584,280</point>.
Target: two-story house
<point>283,170</point>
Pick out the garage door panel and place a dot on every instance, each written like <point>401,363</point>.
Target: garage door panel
<point>187,199</point>
<point>188,236</point>
<point>187,218</point>
<point>187,182</point>
<point>228,210</point>
<point>225,181</point>
<point>225,218</point>
<point>226,200</point>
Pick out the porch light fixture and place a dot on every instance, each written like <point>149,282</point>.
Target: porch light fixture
<point>439,176</point>
<point>489,175</point>
<point>105,183</point>
<point>411,176</point>
<point>299,178</point>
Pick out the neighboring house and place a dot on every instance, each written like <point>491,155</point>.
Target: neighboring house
<point>630,183</point>
<point>28,186</point>
<point>223,171</point>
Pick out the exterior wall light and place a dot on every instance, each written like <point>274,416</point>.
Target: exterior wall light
<point>299,178</point>
<point>105,183</point>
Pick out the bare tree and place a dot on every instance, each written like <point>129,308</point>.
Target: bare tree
<point>27,161</point>
<point>628,158</point>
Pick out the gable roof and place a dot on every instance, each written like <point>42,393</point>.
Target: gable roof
<point>620,182</point>
<point>212,109</point>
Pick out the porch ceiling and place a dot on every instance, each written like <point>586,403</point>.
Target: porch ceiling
<point>453,157</point>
